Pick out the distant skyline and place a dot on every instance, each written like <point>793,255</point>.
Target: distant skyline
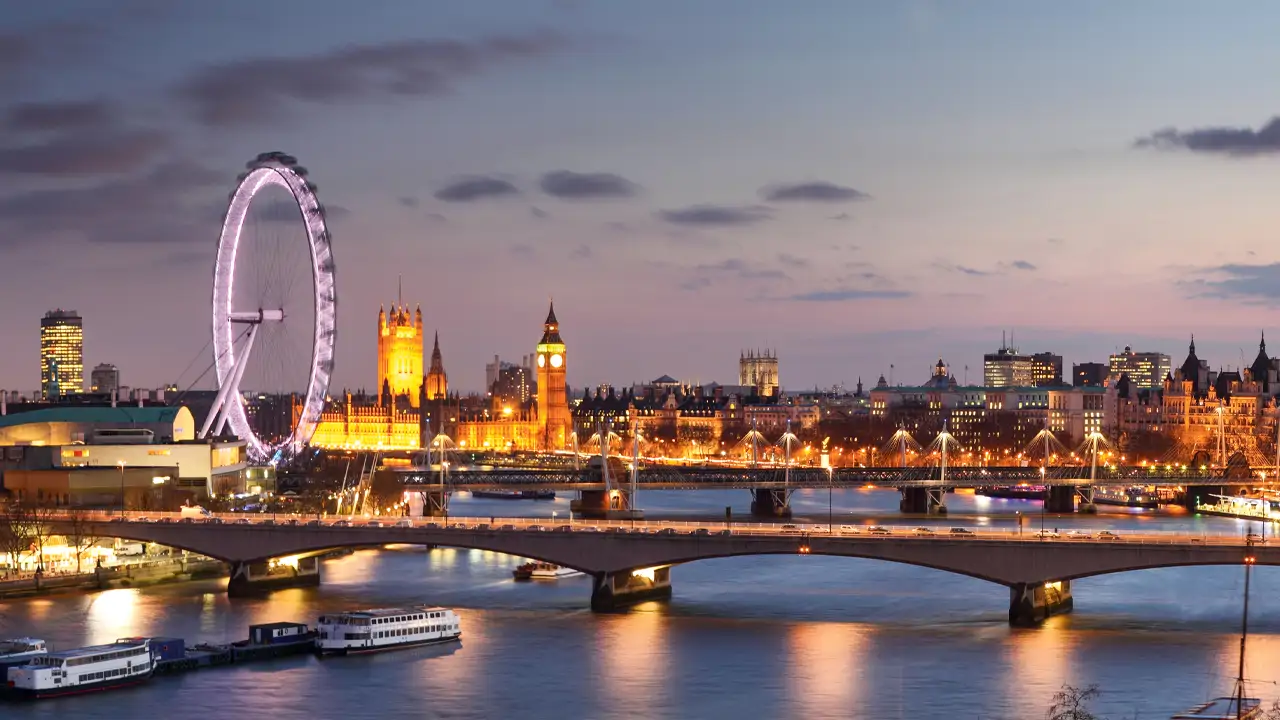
<point>856,185</point>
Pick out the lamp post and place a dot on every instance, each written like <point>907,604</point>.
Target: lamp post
<point>122,488</point>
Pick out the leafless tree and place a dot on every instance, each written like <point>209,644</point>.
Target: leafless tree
<point>79,534</point>
<point>15,537</point>
<point>1072,703</point>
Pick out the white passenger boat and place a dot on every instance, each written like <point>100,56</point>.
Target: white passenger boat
<point>20,651</point>
<point>542,571</point>
<point>364,631</point>
<point>100,667</point>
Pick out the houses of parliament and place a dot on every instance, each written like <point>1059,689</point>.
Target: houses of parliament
<point>411,408</point>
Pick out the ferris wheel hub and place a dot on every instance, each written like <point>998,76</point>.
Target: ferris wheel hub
<point>256,317</point>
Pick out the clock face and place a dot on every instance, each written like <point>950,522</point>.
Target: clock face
<point>556,360</point>
<point>542,360</point>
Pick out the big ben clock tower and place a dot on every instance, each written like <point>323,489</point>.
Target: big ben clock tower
<point>553,398</point>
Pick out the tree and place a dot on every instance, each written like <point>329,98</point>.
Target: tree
<point>79,534</point>
<point>1072,703</point>
<point>15,537</point>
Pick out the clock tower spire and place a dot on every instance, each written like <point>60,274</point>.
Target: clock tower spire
<point>553,400</point>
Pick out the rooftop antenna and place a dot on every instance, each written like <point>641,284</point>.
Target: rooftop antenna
<point>399,290</point>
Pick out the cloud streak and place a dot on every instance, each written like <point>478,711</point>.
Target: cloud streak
<point>569,185</point>
<point>1258,284</point>
<point>259,90</point>
<point>40,117</point>
<point>820,191</point>
<point>849,295</point>
<point>715,215</point>
<point>1229,141</point>
<point>92,153</point>
<point>470,189</point>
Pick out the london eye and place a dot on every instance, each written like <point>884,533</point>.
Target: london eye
<point>274,310</point>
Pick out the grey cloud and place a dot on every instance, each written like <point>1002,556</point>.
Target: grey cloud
<point>437,217</point>
<point>155,206</point>
<point>715,215</point>
<point>820,191</point>
<point>1251,283</point>
<point>1055,241</point>
<point>695,283</point>
<point>848,294</point>
<point>569,185</point>
<point>792,261</point>
<point>539,213</point>
<point>1231,141</point>
<point>841,217</point>
<point>1022,265</point>
<point>408,201</point>
<point>476,188</point>
<point>85,153</point>
<point>970,271</point>
<point>44,116</point>
<point>523,251</point>
<point>263,89</point>
<point>742,269</point>
<point>583,252</point>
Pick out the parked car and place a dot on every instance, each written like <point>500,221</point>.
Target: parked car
<point>340,523</point>
<point>405,523</point>
<point>536,528</point>
<point>504,527</point>
<point>1048,534</point>
<point>313,523</point>
<point>1107,535</point>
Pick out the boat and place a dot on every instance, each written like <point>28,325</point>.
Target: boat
<point>1235,706</point>
<point>515,494</point>
<point>20,650</point>
<point>542,571</point>
<point>1125,497</point>
<point>366,631</point>
<point>71,672</point>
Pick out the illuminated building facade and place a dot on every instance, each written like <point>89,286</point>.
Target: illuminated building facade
<point>394,419</point>
<point>1146,370</point>
<point>61,354</point>
<point>553,390</point>
<point>759,370</point>
<point>400,352</point>
<point>1046,369</point>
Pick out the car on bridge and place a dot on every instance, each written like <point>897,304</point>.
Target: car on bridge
<point>1048,534</point>
<point>1079,535</point>
<point>1107,535</point>
<point>849,530</point>
<point>879,530</point>
<point>922,531</point>
<point>961,531</point>
<point>790,529</point>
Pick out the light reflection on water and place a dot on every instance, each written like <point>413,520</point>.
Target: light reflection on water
<point>772,636</point>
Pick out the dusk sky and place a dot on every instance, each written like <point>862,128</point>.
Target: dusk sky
<point>856,184</point>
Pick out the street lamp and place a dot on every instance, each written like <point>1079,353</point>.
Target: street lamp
<point>122,487</point>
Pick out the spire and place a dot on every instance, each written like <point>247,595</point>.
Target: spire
<point>1262,343</point>
<point>551,328</point>
<point>435,349</point>
<point>400,290</point>
<point>1193,344</point>
<point>551,315</point>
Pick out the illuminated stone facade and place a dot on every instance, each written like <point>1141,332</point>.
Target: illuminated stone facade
<point>406,414</point>
<point>400,352</point>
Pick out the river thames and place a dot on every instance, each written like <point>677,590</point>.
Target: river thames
<point>757,637</point>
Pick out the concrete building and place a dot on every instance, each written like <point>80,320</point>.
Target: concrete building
<point>1007,367</point>
<point>1088,374</point>
<point>104,379</point>
<point>1046,369</point>
<point>509,382</point>
<point>1146,370</point>
<point>71,424</point>
<point>61,354</point>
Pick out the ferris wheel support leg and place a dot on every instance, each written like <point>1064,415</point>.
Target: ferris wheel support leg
<point>217,418</point>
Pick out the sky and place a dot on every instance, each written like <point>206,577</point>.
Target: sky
<point>855,184</point>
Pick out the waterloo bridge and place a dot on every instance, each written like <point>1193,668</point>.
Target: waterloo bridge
<point>630,561</point>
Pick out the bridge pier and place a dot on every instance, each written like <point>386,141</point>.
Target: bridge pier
<point>612,591</point>
<point>923,501</point>
<point>612,504</point>
<point>1060,499</point>
<point>1197,494</point>
<point>257,577</point>
<point>428,503</point>
<point>1033,603</point>
<point>771,503</point>
<point>1086,506</point>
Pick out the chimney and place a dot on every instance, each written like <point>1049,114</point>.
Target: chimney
<point>4,402</point>
<point>114,392</point>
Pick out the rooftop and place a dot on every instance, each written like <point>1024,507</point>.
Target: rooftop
<point>123,415</point>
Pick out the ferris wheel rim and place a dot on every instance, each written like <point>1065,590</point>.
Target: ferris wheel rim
<point>282,171</point>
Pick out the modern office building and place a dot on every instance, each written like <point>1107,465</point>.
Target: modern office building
<point>61,354</point>
<point>1046,369</point>
<point>105,379</point>
<point>1146,370</point>
<point>1088,374</point>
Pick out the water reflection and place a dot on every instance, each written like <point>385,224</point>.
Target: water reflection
<point>633,654</point>
<point>826,668</point>
<point>113,614</point>
<point>1039,663</point>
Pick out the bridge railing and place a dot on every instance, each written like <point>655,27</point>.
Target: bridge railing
<point>796,529</point>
